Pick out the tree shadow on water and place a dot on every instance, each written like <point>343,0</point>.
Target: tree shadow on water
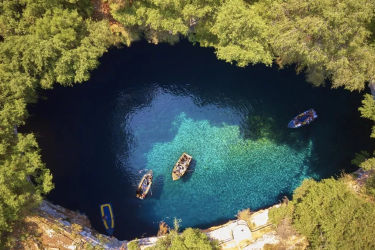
<point>283,193</point>
<point>265,127</point>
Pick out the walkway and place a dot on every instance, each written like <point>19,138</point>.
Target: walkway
<point>232,235</point>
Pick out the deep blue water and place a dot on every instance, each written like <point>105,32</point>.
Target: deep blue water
<point>147,104</point>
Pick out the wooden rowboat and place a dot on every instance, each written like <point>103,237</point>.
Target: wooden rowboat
<point>181,166</point>
<point>144,185</point>
<point>303,119</point>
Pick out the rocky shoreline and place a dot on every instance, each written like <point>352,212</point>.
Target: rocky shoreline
<point>60,228</point>
<point>55,227</point>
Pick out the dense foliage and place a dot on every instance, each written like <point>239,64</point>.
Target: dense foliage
<point>327,39</point>
<point>330,214</point>
<point>164,21</point>
<point>367,110</point>
<point>43,42</point>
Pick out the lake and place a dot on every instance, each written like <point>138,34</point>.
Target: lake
<point>146,105</point>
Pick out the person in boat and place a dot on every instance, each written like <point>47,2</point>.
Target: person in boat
<point>104,217</point>
<point>296,121</point>
<point>311,116</point>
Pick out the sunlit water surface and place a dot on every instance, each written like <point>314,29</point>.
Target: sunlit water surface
<point>145,105</point>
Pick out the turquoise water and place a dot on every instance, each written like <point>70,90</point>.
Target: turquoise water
<point>146,105</point>
<point>228,170</point>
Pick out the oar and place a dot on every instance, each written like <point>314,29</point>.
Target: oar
<point>297,109</point>
<point>151,190</point>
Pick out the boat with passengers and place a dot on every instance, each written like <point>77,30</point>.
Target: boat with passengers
<point>303,119</point>
<point>181,166</point>
<point>144,185</point>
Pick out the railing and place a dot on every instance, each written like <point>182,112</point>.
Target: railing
<point>260,227</point>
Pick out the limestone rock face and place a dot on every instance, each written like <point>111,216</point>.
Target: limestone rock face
<point>55,227</point>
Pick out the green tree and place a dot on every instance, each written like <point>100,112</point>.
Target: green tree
<point>23,180</point>
<point>189,239</point>
<point>61,47</point>
<point>41,42</point>
<point>364,161</point>
<point>332,216</point>
<point>368,110</point>
<point>163,21</point>
<point>360,157</point>
<point>242,34</point>
<point>326,38</point>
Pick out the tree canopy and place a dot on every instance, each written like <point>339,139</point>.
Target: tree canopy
<point>326,39</point>
<point>367,110</point>
<point>163,21</point>
<point>329,39</point>
<point>331,215</point>
<point>42,42</point>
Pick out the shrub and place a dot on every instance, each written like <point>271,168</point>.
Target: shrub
<point>278,214</point>
<point>77,228</point>
<point>189,239</point>
<point>163,228</point>
<point>360,157</point>
<point>133,245</point>
<point>102,238</point>
<point>89,246</point>
<point>244,215</point>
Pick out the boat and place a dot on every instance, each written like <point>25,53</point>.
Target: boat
<point>181,166</point>
<point>303,119</point>
<point>107,217</point>
<point>144,185</point>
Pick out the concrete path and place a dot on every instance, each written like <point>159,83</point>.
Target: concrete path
<point>241,234</point>
<point>232,235</point>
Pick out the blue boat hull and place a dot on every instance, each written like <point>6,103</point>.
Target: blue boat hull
<point>303,119</point>
<point>108,218</point>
